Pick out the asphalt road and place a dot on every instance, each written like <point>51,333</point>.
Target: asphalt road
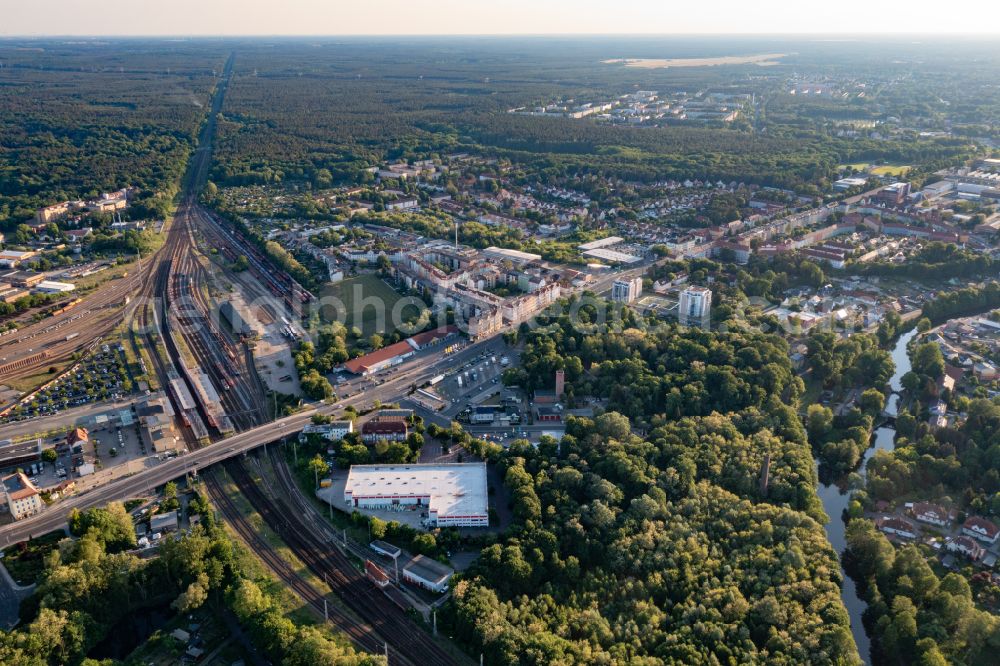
<point>393,388</point>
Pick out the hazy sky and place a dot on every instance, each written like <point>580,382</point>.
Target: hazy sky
<point>437,17</point>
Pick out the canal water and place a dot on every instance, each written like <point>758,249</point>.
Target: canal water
<point>835,496</point>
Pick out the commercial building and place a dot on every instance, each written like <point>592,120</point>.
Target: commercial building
<point>237,322</point>
<point>386,415</point>
<point>432,338</point>
<point>695,306</point>
<point>24,278</point>
<point>514,256</point>
<point>848,183</point>
<point>548,414</point>
<point>380,359</point>
<point>454,494</point>
<point>11,258</point>
<point>21,498</point>
<point>428,573</point>
<point>612,256</point>
<point>18,454</point>
<point>164,522</point>
<point>156,417</point>
<point>626,291</point>
<point>12,294</point>
<point>602,242</point>
<point>387,549</point>
<point>53,287</point>
<point>483,414</point>
<point>893,195</point>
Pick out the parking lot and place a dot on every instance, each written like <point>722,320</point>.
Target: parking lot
<point>102,376</point>
<point>112,450</point>
<point>475,381</point>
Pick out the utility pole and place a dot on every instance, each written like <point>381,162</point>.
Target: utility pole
<point>435,623</point>
<point>326,614</point>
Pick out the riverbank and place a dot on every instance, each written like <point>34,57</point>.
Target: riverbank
<point>836,495</point>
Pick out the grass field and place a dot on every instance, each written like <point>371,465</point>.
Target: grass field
<point>886,170</point>
<point>368,303</point>
<point>891,170</point>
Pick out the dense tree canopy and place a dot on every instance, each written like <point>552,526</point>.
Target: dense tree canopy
<point>661,547</point>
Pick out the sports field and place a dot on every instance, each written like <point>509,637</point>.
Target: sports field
<point>367,302</point>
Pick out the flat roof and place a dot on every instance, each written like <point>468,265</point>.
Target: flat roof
<point>613,255</point>
<point>602,242</point>
<point>430,570</point>
<point>14,452</point>
<point>455,489</point>
<point>513,254</point>
<point>385,547</point>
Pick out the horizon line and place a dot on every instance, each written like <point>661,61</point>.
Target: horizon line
<point>983,33</point>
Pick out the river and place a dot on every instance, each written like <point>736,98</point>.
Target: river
<point>836,495</point>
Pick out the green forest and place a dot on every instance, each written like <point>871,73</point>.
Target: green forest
<point>90,585</point>
<point>81,121</point>
<point>645,535</point>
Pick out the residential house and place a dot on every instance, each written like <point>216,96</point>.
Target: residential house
<point>932,514</point>
<point>896,526</point>
<point>981,529</point>
<point>966,546</point>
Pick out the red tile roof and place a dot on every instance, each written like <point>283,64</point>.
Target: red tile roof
<point>427,337</point>
<point>362,363</point>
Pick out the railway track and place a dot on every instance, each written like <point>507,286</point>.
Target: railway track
<point>406,641</point>
<point>375,624</point>
<point>361,635</point>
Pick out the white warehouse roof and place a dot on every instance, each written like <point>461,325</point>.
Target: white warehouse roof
<point>457,489</point>
<point>603,242</point>
<point>613,255</point>
<point>514,255</point>
<point>54,287</point>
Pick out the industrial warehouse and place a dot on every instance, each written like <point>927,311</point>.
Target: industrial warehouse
<point>453,494</point>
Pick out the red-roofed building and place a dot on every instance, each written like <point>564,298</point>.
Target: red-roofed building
<point>431,338</point>
<point>21,498</point>
<point>933,514</point>
<point>376,575</point>
<point>380,359</point>
<point>967,546</point>
<point>896,526</point>
<point>78,436</point>
<point>982,529</point>
<point>394,431</point>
